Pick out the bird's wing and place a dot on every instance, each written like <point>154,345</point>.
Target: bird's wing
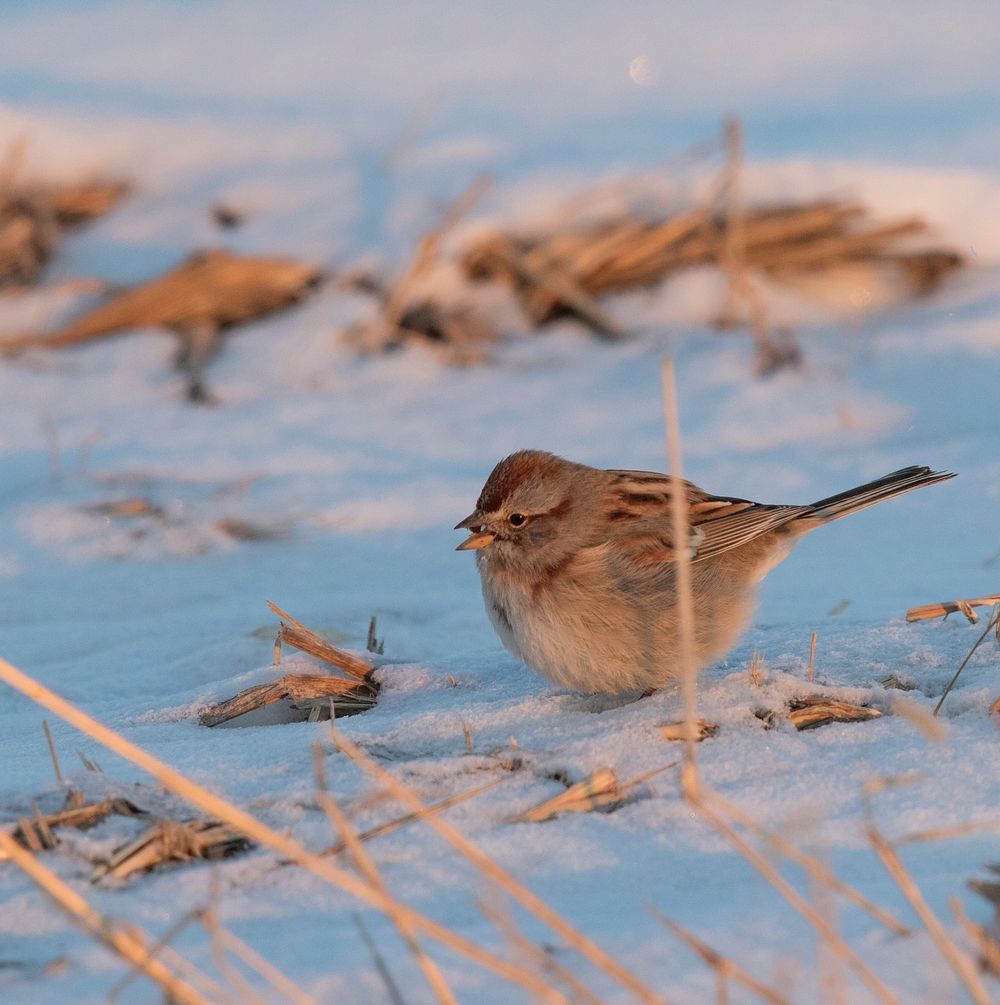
<point>640,513</point>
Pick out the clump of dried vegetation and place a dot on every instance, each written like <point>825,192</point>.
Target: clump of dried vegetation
<point>198,301</point>
<point>309,697</point>
<point>34,216</point>
<point>567,266</point>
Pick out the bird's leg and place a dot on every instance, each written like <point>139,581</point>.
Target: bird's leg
<point>199,342</point>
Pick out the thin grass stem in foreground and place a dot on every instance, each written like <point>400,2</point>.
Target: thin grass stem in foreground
<point>258,831</point>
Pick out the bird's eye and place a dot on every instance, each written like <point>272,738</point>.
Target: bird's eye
<point>517,519</point>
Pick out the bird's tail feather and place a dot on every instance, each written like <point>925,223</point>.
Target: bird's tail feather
<point>895,484</point>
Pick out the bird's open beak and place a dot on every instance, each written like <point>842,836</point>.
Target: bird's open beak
<point>479,538</point>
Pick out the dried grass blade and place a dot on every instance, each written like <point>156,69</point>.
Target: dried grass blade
<point>284,985</point>
<point>979,936</point>
<point>946,607</point>
<point>990,624</point>
<point>366,866</point>
<point>682,566</point>
<point>258,831</point>
<point>543,961</point>
<point>812,865</point>
<point>295,634</point>
<point>720,963</point>
<point>408,818</point>
<point>495,872</point>
<point>810,713</point>
<point>822,926</point>
<point>963,967</point>
<point>595,792</point>
<point>125,942</point>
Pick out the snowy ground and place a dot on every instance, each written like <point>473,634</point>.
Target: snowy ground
<point>367,464</point>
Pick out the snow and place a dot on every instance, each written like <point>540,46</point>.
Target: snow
<point>364,465</point>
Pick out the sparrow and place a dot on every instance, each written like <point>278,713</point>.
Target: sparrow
<point>578,565</point>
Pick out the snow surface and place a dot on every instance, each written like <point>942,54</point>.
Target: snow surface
<point>364,465</point>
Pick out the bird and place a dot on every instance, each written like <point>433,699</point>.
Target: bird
<point>578,565</point>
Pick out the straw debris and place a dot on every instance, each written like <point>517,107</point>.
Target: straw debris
<point>810,713</point>
<point>600,791</point>
<point>198,300</point>
<point>703,729</point>
<point>37,832</point>
<point>307,696</point>
<point>33,216</point>
<point>831,250</point>
<point>943,608</point>
<point>169,841</point>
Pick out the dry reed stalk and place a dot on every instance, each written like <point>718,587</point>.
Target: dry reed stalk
<point>732,250</point>
<point>815,867</point>
<point>678,730</point>
<point>32,839</point>
<point>36,834</point>
<point>831,978</point>
<point>408,818</point>
<point>295,634</point>
<point>596,792</point>
<point>43,828</point>
<point>197,301</point>
<point>895,683</point>
<point>963,967</point>
<point>756,662</point>
<point>733,260</point>
<point>492,869</point>
<point>778,882</point>
<point>979,936</point>
<point>933,729</point>
<point>391,987</point>
<point>305,691</point>
<point>171,841</point>
<point>987,889</point>
<point>260,832</point>
<point>720,963</point>
<point>544,962</point>
<point>247,995</point>
<point>129,942</point>
<point>88,763</point>
<point>208,293</point>
<point>284,985</point>
<point>390,324</point>
<point>374,644</point>
<point>778,226</point>
<point>52,752</point>
<point>73,205</point>
<point>810,713</point>
<point>832,249</point>
<point>366,866</point>
<point>811,670</point>
<point>161,948</point>
<point>558,284</point>
<point>946,607</point>
<point>992,623</point>
<point>943,833</point>
<point>682,572</point>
